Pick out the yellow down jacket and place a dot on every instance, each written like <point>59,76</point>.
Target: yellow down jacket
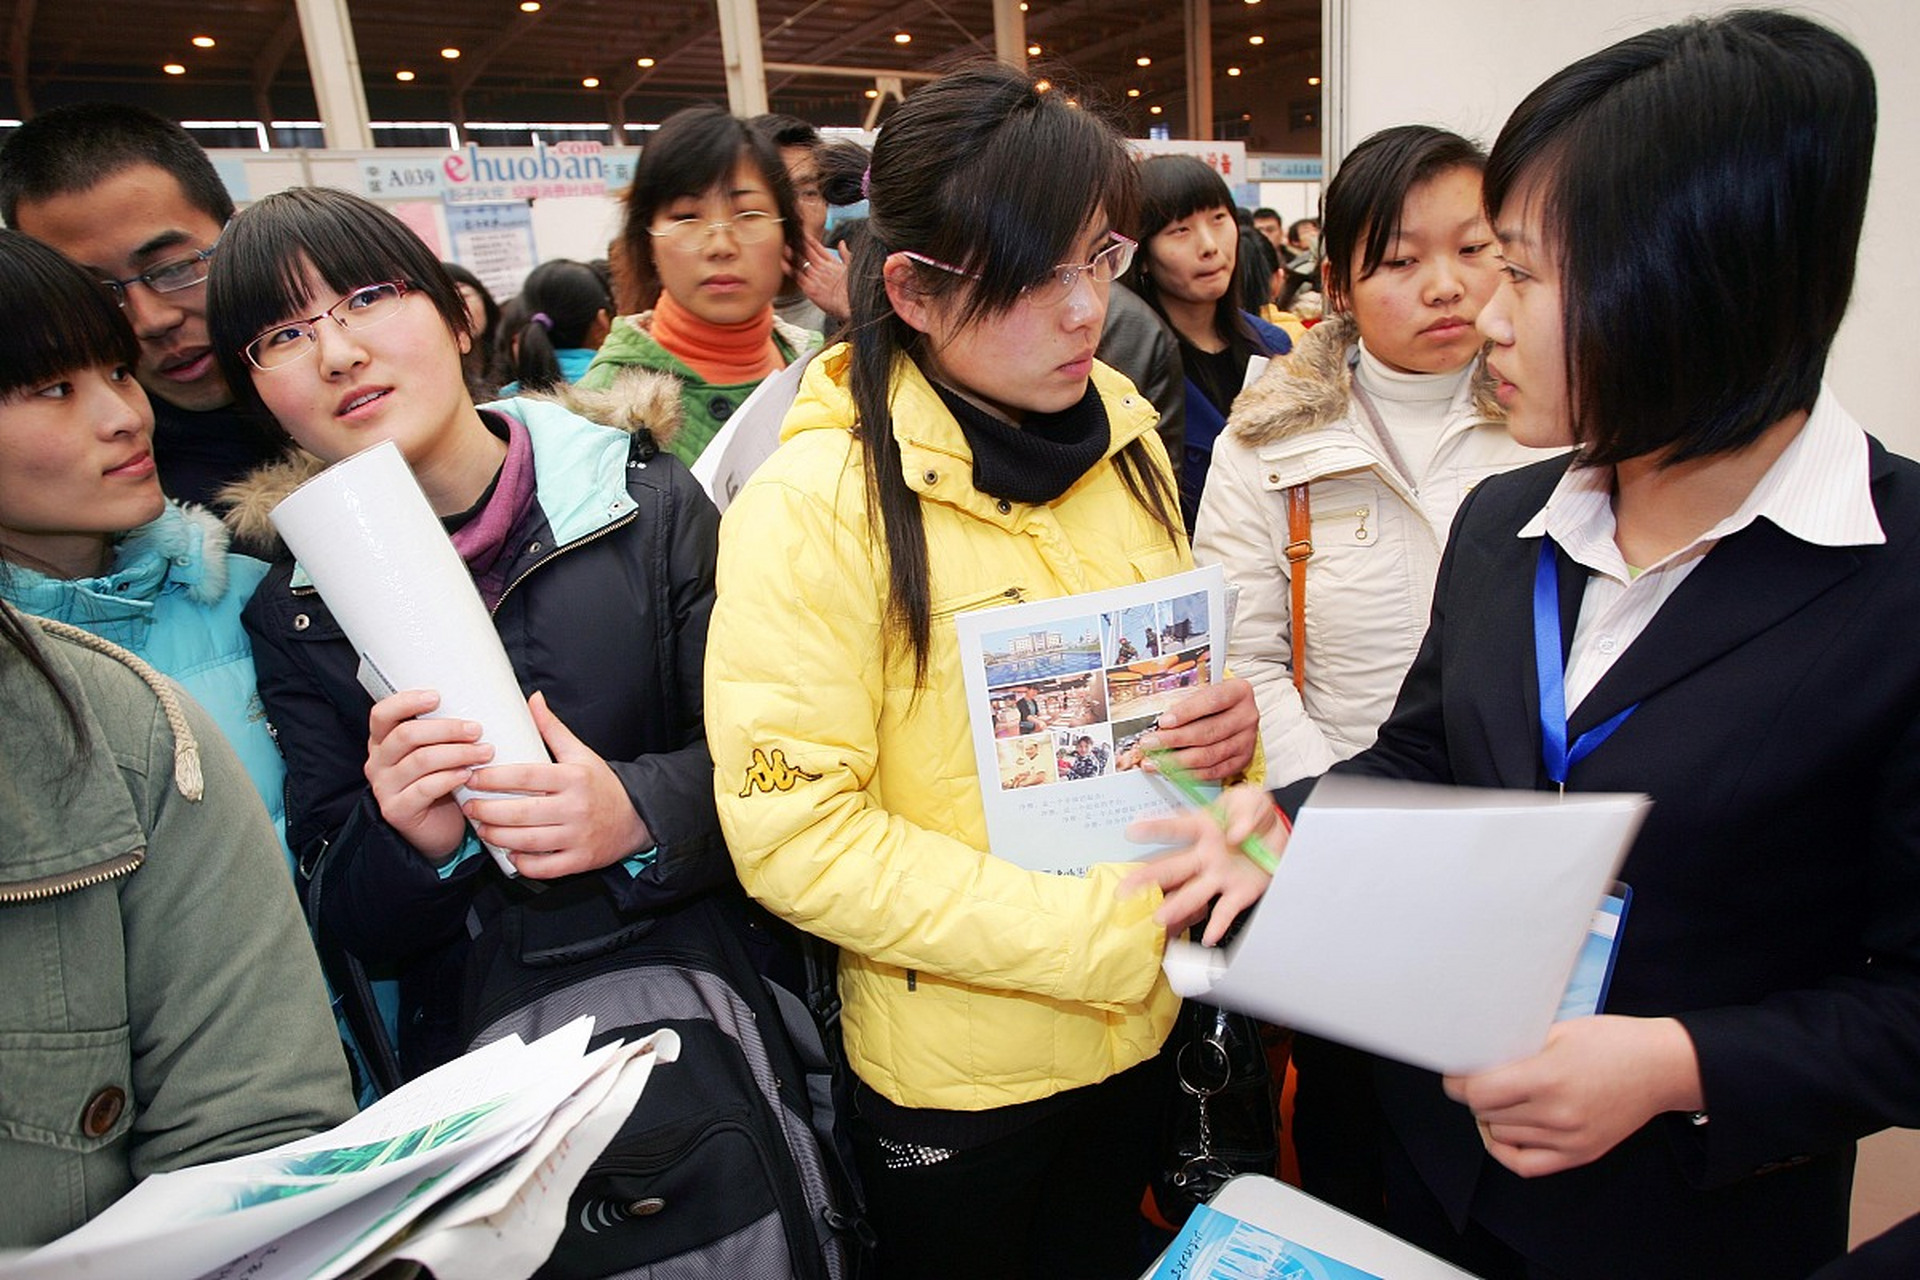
<point>853,807</point>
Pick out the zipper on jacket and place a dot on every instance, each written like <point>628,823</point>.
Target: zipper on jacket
<point>595,536</point>
<point>1358,513</point>
<point>69,881</point>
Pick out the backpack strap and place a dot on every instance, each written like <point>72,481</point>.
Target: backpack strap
<point>1299,550</point>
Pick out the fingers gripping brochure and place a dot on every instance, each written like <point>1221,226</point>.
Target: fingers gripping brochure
<point>367,538</point>
<point>1434,925</point>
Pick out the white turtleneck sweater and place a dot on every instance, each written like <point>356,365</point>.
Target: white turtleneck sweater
<point>1413,407</point>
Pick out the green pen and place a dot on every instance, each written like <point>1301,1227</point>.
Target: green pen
<point>1190,788</point>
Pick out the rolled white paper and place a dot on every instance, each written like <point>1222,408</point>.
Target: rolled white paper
<point>368,539</point>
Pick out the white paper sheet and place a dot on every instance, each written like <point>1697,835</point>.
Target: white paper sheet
<point>1059,693</point>
<point>367,537</point>
<point>313,1207</point>
<point>1435,925</point>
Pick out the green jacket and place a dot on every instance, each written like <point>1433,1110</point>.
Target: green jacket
<point>705,406</point>
<point>160,1006</point>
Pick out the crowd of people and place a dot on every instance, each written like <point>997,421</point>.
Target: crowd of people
<point>1494,412</point>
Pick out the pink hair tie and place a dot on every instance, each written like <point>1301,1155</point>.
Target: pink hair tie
<point>866,183</point>
<point>542,319</point>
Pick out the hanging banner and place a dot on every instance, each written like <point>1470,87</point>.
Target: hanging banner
<point>478,175</point>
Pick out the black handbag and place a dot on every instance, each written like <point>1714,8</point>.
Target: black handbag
<point>1223,1120</point>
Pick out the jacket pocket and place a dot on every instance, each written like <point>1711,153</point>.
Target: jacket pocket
<point>67,1089</point>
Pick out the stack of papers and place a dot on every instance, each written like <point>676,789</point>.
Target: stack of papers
<point>466,1170</point>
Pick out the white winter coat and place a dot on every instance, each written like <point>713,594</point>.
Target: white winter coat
<point>1377,537</point>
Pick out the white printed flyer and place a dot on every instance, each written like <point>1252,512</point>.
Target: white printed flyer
<point>1060,694</point>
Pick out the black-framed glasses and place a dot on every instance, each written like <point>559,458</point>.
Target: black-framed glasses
<point>1051,289</point>
<point>295,339</point>
<point>691,235</point>
<point>170,276</point>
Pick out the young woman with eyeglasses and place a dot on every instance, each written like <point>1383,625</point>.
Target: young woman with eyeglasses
<point>711,226</point>
<point>1185,270</point>
<point>966,450</point>
<point>593,551</point>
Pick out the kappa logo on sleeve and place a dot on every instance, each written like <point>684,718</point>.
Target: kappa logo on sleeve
<point>773,773</point>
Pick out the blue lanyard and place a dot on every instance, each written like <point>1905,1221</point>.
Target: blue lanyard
<point>1554,752</point>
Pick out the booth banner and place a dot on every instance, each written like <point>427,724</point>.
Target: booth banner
<point>480,175</point>
<point>1287,168</point>
<point>1228,159</point>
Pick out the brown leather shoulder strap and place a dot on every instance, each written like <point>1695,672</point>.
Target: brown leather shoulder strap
<point>1299,550</point>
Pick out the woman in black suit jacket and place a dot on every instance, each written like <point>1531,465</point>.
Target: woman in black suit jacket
<point>1722,587</point>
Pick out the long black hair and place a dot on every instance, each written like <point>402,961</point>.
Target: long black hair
<point>954,178</point>
<point>54,317</point>
<point>18,636</point>
<point>561,299</point>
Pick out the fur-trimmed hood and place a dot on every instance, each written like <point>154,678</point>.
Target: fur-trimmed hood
<point>1313,388</point>
<point>639,402</point>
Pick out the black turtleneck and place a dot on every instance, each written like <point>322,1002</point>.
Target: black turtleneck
<point>1041,458</point>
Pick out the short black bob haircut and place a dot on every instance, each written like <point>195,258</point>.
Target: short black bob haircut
<point>1686,182</point>
<point>1360,212</point>
<point>259,275</point>
<point>71,149</point>
<point>1176,187</point>
<point>54,318</point>
<point>692,152</point>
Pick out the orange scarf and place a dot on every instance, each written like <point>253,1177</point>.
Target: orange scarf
<point>723,354</point>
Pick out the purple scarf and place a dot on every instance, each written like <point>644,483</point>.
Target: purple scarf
<point>482,540</point>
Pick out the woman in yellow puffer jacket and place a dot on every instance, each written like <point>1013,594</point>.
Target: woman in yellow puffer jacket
<point>965,451</point>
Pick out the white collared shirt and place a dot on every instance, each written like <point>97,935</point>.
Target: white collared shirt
<point>1817,490</point>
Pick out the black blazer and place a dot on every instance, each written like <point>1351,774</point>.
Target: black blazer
<point>1776,883</point>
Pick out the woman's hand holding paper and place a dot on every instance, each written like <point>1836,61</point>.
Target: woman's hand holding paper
<point>1597,1081</point>
<point>570,816</point>
<point>1208,865</point>
<point>1212,730</point>
<point>414,766</point>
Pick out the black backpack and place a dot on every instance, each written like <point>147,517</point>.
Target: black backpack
<point>735,1160</point>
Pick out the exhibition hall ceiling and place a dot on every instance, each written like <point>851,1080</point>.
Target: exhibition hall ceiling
<point>625,61</point>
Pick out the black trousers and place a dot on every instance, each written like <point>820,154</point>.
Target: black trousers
<point>1058,1198</point>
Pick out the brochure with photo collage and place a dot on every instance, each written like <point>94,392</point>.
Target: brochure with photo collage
<point>1060,694</point>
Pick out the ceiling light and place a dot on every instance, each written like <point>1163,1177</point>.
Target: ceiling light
<point>1233,71</point>
<point>1143,61</point>
<point>449,53</point>
<point>1041,86</point>
<point>174,69</point>
<point>1023,6</point>
<point>1153,111</point>
<point>404,77</point>
<point>873,93</point>
<point>203,42</point>
<point>902,37</point>
<point>1133,93</point>
<point>529,6</point>
<point>590,82</point>
<point>1033,51</point>
<point>643,63</point>
<point>1256,39</point>
<point>1313,80</point>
